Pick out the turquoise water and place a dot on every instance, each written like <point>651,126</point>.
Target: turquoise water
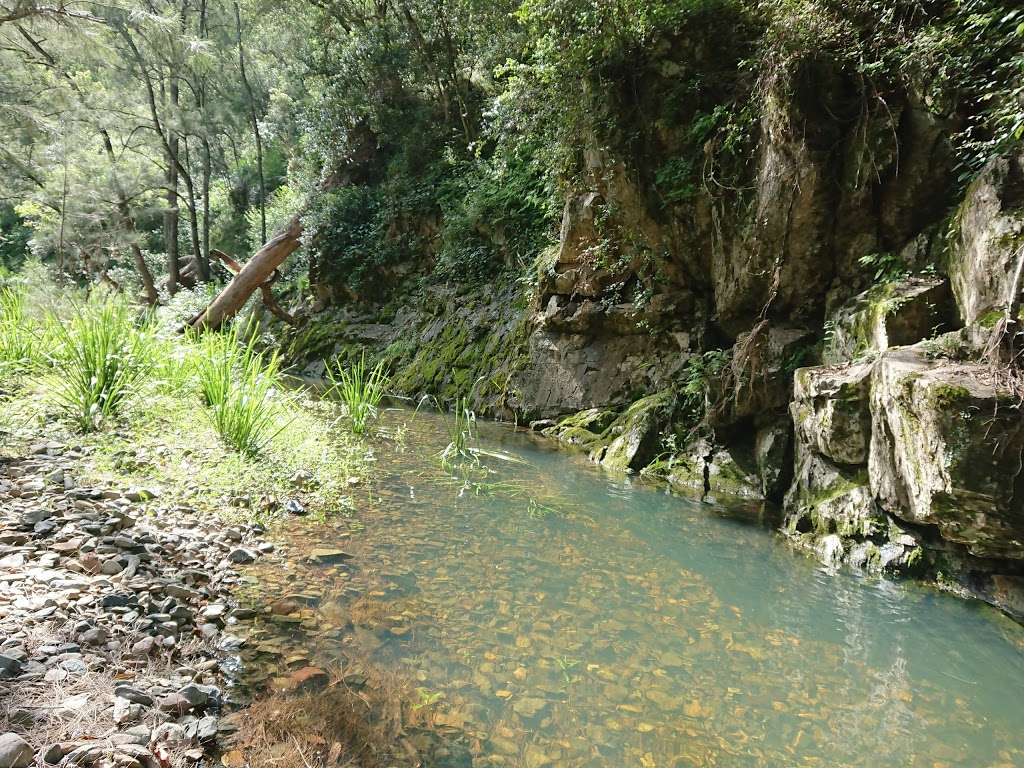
<point>566,616</point>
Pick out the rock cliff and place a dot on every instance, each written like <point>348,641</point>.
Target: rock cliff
<point>806,329</point>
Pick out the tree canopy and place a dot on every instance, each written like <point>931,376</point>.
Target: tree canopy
<point>137,136</point>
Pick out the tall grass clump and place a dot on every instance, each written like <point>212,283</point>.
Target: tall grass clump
<point>462,435</point>
<point>360,391</point>
<point>102,358</point>
<point>240,387</point>
<point>19,349</point>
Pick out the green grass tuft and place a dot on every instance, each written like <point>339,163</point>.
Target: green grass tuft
<point>102,358</point>
<point>239,385</point>
<point>360,391</point>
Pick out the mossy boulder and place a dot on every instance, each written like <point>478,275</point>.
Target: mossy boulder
<point>685,469</point>
<point>987,237</point>
<point>773,453</point>
<point>889,315</point>
<point>947,449</point>
<point>831,511</point>
<point>709,472</point>
<point>732,474</point>
<point>583,429</point>
<point>627,441</point>
<point>831,414</point>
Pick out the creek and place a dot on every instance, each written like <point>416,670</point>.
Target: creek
<point>565,616</point>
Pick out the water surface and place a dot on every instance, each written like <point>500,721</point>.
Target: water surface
<point>570,617</point>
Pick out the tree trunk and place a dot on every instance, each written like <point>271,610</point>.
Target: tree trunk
<point>171,221</point>
<point>254,120</point>
<point>129,223</point>
<point>265,288</point>
<point>193,223</point>
<point>251,276</point>
<point>207,173</point>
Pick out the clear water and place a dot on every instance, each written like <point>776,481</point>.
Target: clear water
<point>572,617</point>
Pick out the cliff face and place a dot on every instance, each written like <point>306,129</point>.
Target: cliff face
<point>806,327</point>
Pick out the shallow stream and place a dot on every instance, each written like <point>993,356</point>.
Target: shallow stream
<point>569,617</point>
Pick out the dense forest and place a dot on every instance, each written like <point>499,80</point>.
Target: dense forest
<point>138,137</point>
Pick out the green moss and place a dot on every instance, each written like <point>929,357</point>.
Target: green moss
<point>989,319</point>
<point>946,396</point>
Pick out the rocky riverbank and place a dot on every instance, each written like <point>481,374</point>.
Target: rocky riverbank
<point>112,613</point>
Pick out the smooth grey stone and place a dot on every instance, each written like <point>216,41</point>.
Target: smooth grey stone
<point>15,752</point>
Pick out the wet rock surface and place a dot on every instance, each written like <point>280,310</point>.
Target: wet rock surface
<point>111,611</point>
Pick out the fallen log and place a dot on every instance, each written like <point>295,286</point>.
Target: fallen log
<point>265,288</point>
<point>250,277</point>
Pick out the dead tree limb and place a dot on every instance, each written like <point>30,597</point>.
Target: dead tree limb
<point>268,295</point>
<point>253,275</point>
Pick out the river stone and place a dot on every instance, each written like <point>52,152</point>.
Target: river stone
<point>141,494</point>
<point>9,666</point>
<point>309,679</point>
<point>174,703</point>
<point>195,696</point>
<point>241,556</point>
<point>134,695</point>
<point>95,636</point>
<point>529,707</point>
<point>15,752</point>
<point>328,556</point>
<point>53,754</point>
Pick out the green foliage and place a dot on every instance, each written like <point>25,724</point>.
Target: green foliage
<point>347,228</point>
<point>692,395</point>
<point>239,386</point>
<point>21,340</point>
<point>105,354</point>
<point>360,391</point>
<point>14,237</point>
<point>886,267</point>
<point>493,216</point>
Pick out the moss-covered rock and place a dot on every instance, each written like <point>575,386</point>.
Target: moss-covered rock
<point>947,449</point>
<point>773,452</point>
<point>831,414</point>
<point>709,472</point>
<point>627,442</point>
<point>583,429</point>
<point>889,315</point>
<point>988,233</point>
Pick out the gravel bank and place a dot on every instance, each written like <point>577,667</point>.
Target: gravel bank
<point>112,609</point>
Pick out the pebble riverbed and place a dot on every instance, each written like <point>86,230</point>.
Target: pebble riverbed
<point>112,613</point>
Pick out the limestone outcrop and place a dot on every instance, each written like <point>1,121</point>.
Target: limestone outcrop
<point>988,240</point>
